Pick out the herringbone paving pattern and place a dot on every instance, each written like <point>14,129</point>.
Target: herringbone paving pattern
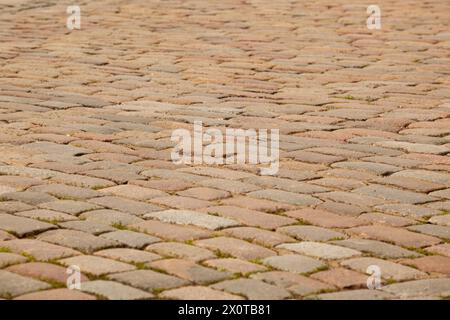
<point>86,176</point>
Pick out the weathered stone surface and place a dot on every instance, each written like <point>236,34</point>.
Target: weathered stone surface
<point>362,294</point>
<point>130,238</point>
<point>396,235</point>
<point>294,263</point>
<point>377,248</point>
<point>190,271</point>
<point>56,294</point>
<point>39,250</point>
<point>342,278</point>
<point>7,259</point>
<point>320,250</point>
<point>77,240</point>
<point>389,270</point>
<point>97,266</point>
<point>14,285</point>
<point>148,280</point>
<point>252,289</point>
<point>295,283</point>
<point>198,293</point>
<point>180,250</point>
<point>311,233</point>
<point>22,226</point>
<point>236,248</point>
<point>114,291</point>
<point>420,288</point>
<point>192,218</point>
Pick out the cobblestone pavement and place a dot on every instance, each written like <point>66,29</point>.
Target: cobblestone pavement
<point>86,177</point>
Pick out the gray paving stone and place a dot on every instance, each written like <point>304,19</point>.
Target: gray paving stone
<point>361,294</point>
<point>7,259</point>
<point>311,233</point>
<point>28,197</point>
<point>77,240</point>
<point>389,270</point>
<point>320,250</point>
<point>87,226</point>
<point>443,220</point>
<point>181,250</point>
<point>110,217</point>
<point>23,226</point>
<point>285,197</point>
<point>67,192</point>
<point>377,248</point>
<point>377,168</point>
<point>294,263</point>
<point>398,195</point>
<point>97,266</point>
<point>193,218</point>
<point>436,177</point>
<point>69,206</point>
<point>114,290</point>
<point>131,256</point>
<point>125,205</point>
<point>130,238</point>
<point>252,289</point>
<point>433,230</point>
<point>13,285</point>
<point>407,210</point>
<point>420,288</point>
<point>148,280</point>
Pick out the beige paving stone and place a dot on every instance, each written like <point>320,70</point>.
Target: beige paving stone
<point>169,231</point>
<point>252,289</point>
<point>39,250</point>
<point>361,294</point>
<point>148,280</point>
<point>7,258</point>
<point>43,271</point>
<point>130,238</point>
<point>295,283</point>
<point>311,233</point>
<point>294,263</point>
<point>389,270</point>
<point>180,250</point>
<point>22,226</point>
<point>320,250</point>
<point>431,264</point>
<point>56,294</point>
<point>250,217</point>
<point>263,237</point>
<point>198,293</point>
<point>190,217</point>
<point>190,271</point>
<point>236,248</point>
<point>396,235</point>
<point>325,219</point>
<point>234,265</point>
<point>133,192</point>
<point>131,256</point>
<point>97,266</point>
<point>114,291</point>
<point>77,240</point>
<point>342,278</point>
<point>16,285</point>
<point>420,288</point>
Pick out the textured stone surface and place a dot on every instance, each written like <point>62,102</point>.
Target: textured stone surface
<point>114,291</point>
<point>320,250</point>
<point>294,263</point>
<point>361,168</point>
